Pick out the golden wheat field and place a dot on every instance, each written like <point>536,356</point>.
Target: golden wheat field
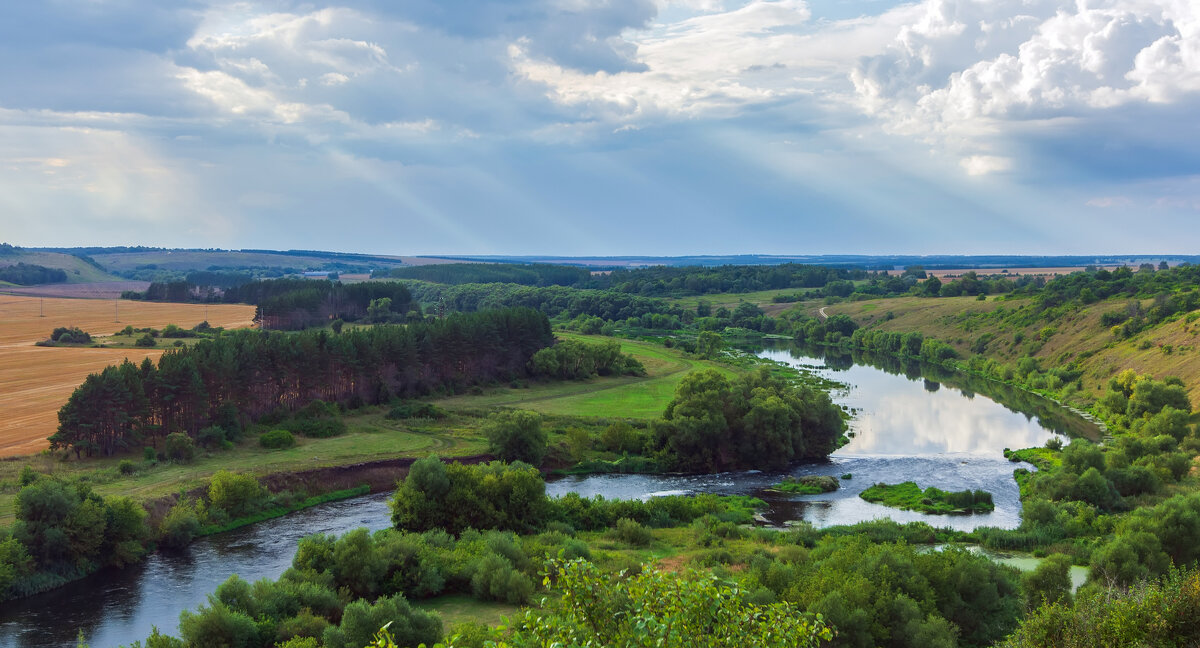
<point>36,381</point>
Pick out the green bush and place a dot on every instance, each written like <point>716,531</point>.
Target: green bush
<point>126,467</point>
<point>179,447</point>
<point>236,494</point>
<point>277,439</point>
<point>318,428</point>
<point>415,409</point>
<point>516,436</point>
<point>632,533</point>
<point>180,525</point>
<point>361,621</point>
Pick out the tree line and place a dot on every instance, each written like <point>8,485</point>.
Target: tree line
<point>284,304</point>
<point>27,274</point>
<point>245,375</point>
<point>534,274</point>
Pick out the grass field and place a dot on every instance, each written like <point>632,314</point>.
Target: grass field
<point>371,437</point>
<point>460,608</point>
<point>36,381</point>
<point>642,397</point>
<point>731,300</point>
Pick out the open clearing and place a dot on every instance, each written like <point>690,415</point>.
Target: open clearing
<point>636,397</point>
<point>36,381</point>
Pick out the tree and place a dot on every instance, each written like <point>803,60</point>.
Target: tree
<point>658,609</point>
<point>932,287</point>
<point>454,497</point>
<point>362,620</point>
<point>754,421</point>
<point>380,310</point>
<point>236,494</point>
<point>516,436</point>
<point>708,344</point>
<point>1050,582</point>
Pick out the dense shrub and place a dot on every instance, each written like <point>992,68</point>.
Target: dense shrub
<point>277,439</point>
<point>179,447</point>
<point>752,421</point>
<point>455,497</point>
<point>180,525</point>
<point>516,436</point>
<point>236,494</point>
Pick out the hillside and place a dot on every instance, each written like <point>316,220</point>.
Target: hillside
<point>185,260</point>
<point>1172,348</point>
<point>78,270</point>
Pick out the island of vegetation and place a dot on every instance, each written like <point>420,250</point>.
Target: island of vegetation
<point>910,497</point>
<point>807,485</point>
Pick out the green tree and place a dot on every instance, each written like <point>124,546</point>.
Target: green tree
<point>236,494</point>
<point>362,620</point>
<point>380,310</point>
<point>708,344</point>
<point>1050,582</point>
<point>516,436</point>
<point>660,610</point>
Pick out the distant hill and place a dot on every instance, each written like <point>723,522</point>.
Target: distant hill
<point>78,269</point>
<point>870,262</point>
<point>160,264</point>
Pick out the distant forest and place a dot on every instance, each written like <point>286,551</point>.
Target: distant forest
<point>25,274</point>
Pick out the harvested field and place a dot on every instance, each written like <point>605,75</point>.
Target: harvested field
<point>36,381</point>
<point>96,290</point>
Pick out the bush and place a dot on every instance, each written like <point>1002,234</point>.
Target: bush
<point>277,439</point>
<point>317,428</point>
<point>72,335</point>
<point>211,436</point>
<point>180,525</point>
<point>454,497</point>
<point>632,533</point>
<point>516,436</point>
<point>236,494</point>
<point>126,467</point>
<point>146,340</point>
<point>179,447</point>
<point>361,621</point>
<point>415,409</point>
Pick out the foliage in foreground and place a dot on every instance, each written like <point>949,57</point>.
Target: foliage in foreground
<point>1164,613</point>
<point>656,609</point>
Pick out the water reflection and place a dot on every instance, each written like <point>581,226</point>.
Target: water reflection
<point>911,422</point>
<point>117,607</point>
<point>897,415</point>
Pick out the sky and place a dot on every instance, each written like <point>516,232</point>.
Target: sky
<point>603,127</point>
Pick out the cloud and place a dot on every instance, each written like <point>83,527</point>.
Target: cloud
<point>978,165</point>
<point>468,125</point>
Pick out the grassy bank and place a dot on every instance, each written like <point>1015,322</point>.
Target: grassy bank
<point>280,511</point>
<point>628,397</point>
<point>371,437</point>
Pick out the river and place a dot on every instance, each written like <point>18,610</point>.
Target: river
<point>911,422</point>
<point>117,607</point>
